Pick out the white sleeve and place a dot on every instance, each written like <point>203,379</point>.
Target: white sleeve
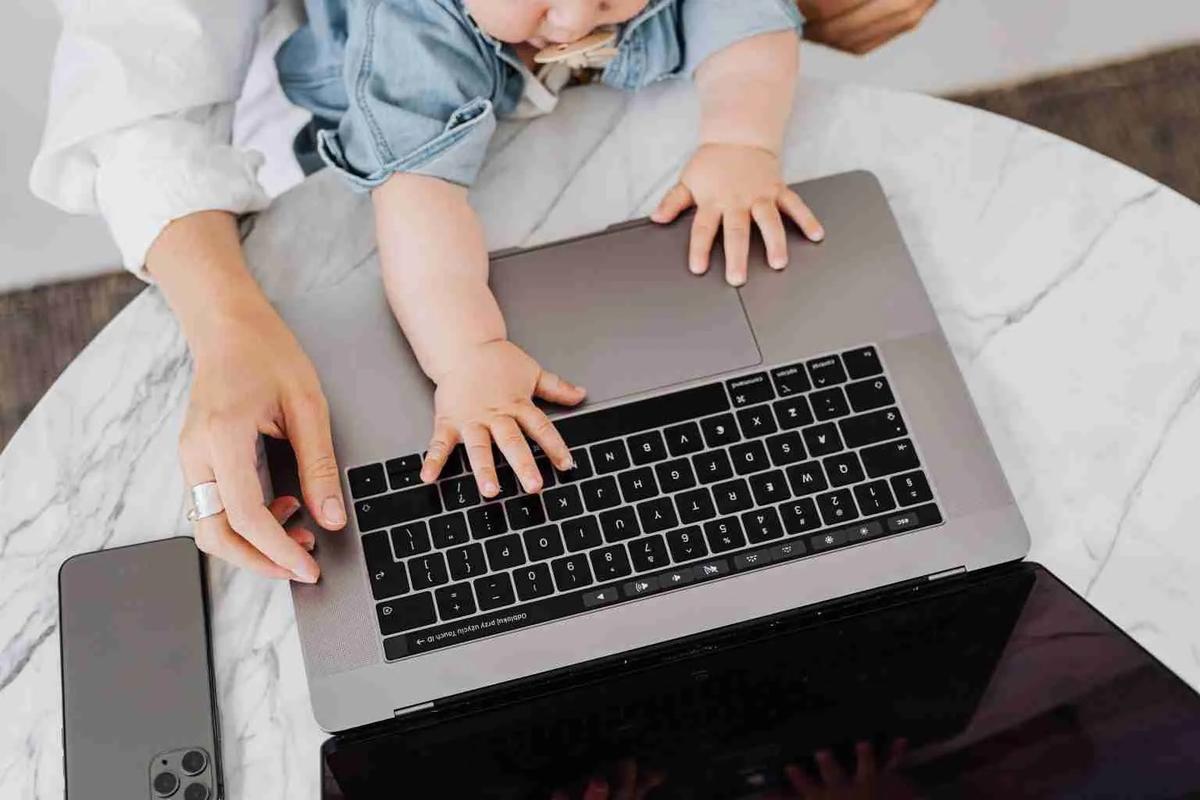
<point>141,110</point>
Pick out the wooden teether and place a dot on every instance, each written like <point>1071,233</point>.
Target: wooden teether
<point>596,46</point>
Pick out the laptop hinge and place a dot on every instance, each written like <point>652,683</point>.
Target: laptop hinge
<point>401,712</point>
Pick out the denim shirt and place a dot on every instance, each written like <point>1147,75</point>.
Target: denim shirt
<point>415,86</point>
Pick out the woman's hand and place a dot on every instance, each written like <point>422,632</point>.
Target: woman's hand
<point>251,377</point>
<point>730,185</point>
<point>860,26</point>
<point>487,397</point>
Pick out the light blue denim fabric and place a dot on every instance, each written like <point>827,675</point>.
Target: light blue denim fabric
<point>415,86</point>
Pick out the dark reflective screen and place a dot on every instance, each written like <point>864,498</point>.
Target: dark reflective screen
<point>1000,686</point>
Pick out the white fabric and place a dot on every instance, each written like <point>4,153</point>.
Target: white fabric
<point>142,100</point>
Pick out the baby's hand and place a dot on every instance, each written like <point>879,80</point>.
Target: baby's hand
<point>731,184</point>
<point>487,396</point>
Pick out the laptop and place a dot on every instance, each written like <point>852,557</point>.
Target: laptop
<point>743,453</point>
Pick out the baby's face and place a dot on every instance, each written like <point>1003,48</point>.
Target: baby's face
<point>546,22</point>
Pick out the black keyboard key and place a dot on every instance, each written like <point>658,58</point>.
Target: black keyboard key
<point>582,533</point>
<point>609,563</point>
<point>695,506</point>
<point>404,471</point>
<point>403,480</point>
<point>750,389</point>
<point>507,479</point>
<point>874,498</point>
<point>410,539</point>
<point>388,576</point>
<point>619,524</point>
<point>732,496</point>
<point>826,371</point>
<point>843,469</point>
<point>641,586</point>
<point>676,577</point>
<point>582,470</point>
<point>711,569</point>
<point>785,448</point>
<point>563,502</point>
<point>657,515</point>
<point>724,534</point>
<point>756,421</point>
<point>649,553</point>
<point>687,544</point>
<point>683,439</point>
<point>712,466</point>
<point>494,591</point>
<point>793,412</point>
<point>862,363</point>
<point>454,601</point>
<point>675,476</point>
<point>455,463</point>
<point>544,542</point>
<point>769,488</point>
<point>829,403</point>
<point>406,613</point>
<point>525,511</point>
<point>827,540</point>
<point>719,430</point>
<point>487,520</point>
<point>800,516</point>
<point>654,412</point>
<point>762,525</point>
<point>426,571</point>
<point>533,581</point>
<point>609,456</point>
<point>885,459</point>
<point>397,507</point>
<point>638,484</point>
<point>547,471</point>
<point>788,550</point>
<point>571,572</point>
<point>822,439</point>
<point>646,448</point>
<point>869,394</point>
<point>749,457</point>
<point>466,562</point>
<point>790,380</point>
<point>366,481</point>
<point>807,478</point>
<point>914,517</point>
<point>863,530</point>
<point>837,507</point>
<point>877,426</point>
<point>758,558</point>
<point>459,492</point>
<point>504,552</point>
<point>911,488</point>
<point>600,493</point>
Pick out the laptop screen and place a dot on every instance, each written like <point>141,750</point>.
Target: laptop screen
<point>991,686</point>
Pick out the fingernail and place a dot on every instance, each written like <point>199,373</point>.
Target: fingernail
<point>778,263</point>
<point>290,509</point>
<point>307,574</point>
<point>818,234</point>
<point>490,489</point>
<point>535,486</point>
<point>333,511</point>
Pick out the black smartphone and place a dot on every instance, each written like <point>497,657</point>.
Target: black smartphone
<point>139,716</point>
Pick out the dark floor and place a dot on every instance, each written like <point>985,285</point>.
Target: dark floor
<point>1144,112</point>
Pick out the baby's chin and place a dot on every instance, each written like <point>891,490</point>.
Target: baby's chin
<point>539,42</point>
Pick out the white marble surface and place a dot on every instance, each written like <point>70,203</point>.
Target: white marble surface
<point>1069,286</point>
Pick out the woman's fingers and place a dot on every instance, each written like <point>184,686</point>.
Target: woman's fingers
<point>867,22</point>
<point>441,444</point>
<point>597,789</point>
<point>516,450</point>
<point>736,224</point>
<point>215,537</point>
<point>802,215</point>
<point>830,770</point>
<point>802,784</point>
<point>704,231</point>
<point>866,769</point>
<point>539,428</point>
<point>766,217</point>
<point>558,390</point>
<point>674,203</point>
<point>306,420</point>
<point>477,441</point>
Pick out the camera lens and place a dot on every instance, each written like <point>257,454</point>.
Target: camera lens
<point>194,762</point>
<point>196,791</point>
<point>165,784</point>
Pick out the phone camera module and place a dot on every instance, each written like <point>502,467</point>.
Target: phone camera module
<point>194,762</point>
<point>165,784</point>
<point>196,791</point>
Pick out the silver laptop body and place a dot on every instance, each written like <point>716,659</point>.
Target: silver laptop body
<point>618,313</point>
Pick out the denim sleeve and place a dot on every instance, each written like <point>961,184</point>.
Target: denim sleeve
<point>709,26</point>
<point>420,87</point>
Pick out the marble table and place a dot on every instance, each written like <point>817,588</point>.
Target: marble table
<point>1069,287</point>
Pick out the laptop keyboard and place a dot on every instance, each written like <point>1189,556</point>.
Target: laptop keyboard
<point>667,492</point>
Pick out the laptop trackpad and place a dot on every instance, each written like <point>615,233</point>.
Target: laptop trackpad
<point>620,313</point>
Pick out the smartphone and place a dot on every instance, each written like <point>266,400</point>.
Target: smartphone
<point>139,717</point>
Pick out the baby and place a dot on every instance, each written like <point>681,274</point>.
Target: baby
<point>405,94</point>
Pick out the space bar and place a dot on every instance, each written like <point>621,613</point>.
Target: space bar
<point>654,412</point>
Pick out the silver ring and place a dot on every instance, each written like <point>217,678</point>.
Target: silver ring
<point>206,502</point>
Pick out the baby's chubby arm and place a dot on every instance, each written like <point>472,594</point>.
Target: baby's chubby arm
<point>734,176</point>
<point>435,270</point>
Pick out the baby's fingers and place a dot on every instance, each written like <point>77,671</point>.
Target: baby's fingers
<point>558,390</point>
<point>440,446</point>
<point>539,428</point>
<point>737,245</point>
<point>802,215</point>
<point>478,443</point>
<point>704,231</point>
<point>766,216</point>
<point>513,444</point>
<point>674,203</point>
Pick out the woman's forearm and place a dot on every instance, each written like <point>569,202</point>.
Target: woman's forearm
<point>435,269</point>
<point>746,91</point>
